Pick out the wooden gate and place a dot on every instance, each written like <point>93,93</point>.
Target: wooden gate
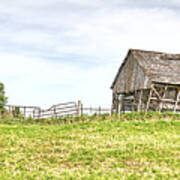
<point>58,110</point>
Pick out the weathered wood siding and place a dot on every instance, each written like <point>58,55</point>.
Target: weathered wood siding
<point>131,77</point>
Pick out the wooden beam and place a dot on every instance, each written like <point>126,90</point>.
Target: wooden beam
<point>169,85</point>
<point>164,100</point>
<point>177,100</point>
<point>164,94</point>
<point>156,92</point>
<point>149,99</point>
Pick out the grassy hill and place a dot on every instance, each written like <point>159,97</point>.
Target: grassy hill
<point>110,149</point>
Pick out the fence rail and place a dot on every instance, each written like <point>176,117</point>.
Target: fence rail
<point>98,110</point>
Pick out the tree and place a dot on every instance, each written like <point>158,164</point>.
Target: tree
<point>3,98</point>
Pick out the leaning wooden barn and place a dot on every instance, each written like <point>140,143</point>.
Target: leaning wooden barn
<point>147,80</point>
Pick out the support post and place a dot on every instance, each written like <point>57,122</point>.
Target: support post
<point>120,105</point>
<point>149,100</point>
<point>113,104</point>
<point>119,110</point>
<point>134,101</point>
<point>140,100</point>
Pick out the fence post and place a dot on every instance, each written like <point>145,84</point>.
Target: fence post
<point>24,112</point>
<point>79,108</point>
<point>33,114</point>
<point>99,110</point>
<point>39,115</point>
<point>82,110</point>
<point>55,113</point>
<point>111,111</point>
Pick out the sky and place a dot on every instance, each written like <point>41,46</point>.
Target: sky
<point>54,51</point>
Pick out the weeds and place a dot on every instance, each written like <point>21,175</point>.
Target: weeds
<point>133,116</point>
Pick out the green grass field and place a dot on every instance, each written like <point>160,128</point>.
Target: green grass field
<point>91,150</point>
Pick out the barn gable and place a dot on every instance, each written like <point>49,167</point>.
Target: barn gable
<point>131,76</point>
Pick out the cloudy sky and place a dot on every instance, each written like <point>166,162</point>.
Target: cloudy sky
<point>54,51</point>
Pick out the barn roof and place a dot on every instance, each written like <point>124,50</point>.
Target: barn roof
<point>159,67</point>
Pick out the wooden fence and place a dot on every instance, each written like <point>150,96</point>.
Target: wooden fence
<point>56,111</point>
<point>25,111</point>
<point>92,110</point>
